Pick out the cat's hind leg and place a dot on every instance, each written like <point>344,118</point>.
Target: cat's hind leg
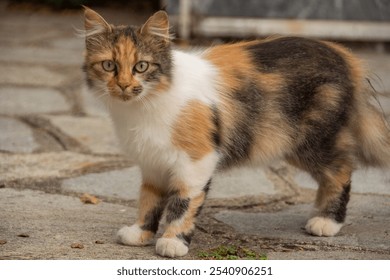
<point>331,201</point>
<point>151,207</point>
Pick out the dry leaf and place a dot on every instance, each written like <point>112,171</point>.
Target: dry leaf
<point>89,199</point>
<point>24,235</point>
<point>77,246</point>
<point>2,242</point>
<point>99,242</point>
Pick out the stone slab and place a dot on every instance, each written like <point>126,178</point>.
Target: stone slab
<point>72,43</point>
<point>363,181</point>
<point>23,101</point>
<point>123,184</point>
<point>54,222</point>
<point>16,137</point>
<point>241,182</point>
<point>39,55</point>
<point>91,104</point>
<point>44,165</point>
<point>367,224</point>
<point>95,133</point>
<point>33,75</point>
<point>343,254</point>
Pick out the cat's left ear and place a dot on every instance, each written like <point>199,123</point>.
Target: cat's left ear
<point>158,25</point>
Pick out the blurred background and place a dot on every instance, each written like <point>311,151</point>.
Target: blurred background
<point>343,20</point>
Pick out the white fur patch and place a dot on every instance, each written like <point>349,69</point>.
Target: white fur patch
<point>322,226</point>
<point>195,174</point>
<point>171,247</point>
<point>132,236</point>
<point>144,128</point>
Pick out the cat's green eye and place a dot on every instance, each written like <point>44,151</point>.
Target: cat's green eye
<point>108,65</point>
<point>141,66</point>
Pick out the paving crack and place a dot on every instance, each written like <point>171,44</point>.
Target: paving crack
<point>66,142</point>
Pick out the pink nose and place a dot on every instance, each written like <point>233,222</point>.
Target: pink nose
<point>123,86</point>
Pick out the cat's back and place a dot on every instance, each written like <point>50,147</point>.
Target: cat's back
<point>289,89</point>
<point>291,56</point>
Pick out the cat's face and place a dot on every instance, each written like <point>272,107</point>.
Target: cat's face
<point>125,62</point>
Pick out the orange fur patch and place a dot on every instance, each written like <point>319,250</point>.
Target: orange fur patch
<point>270,82</point>
<point>373,135</point>
<point>150,197</point>
<point>125,56</point>
<point>327,97</point>
<point>193,130</point>
<point>272,139</point>
<point>233,63</point>
<point>163,84</point>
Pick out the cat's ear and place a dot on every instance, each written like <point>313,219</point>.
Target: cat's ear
<point>158,25</point>
<point>94,23</point>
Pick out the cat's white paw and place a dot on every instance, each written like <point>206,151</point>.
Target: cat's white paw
<point>171,247</point>
<point>134,236</point>
<point>322,226</point>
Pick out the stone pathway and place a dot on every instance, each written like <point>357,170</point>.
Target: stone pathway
<point>56,143</point>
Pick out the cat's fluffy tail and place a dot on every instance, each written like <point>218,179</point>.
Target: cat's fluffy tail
<point>373,134</point>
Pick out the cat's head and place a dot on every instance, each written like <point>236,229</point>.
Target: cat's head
<point>127,63</point>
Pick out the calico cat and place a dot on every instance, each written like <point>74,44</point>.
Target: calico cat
<point>182,116</point>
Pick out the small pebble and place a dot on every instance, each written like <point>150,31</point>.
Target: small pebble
<point>99,242</point>
<point>77,246</point>
<point>89,199</point>
<point>25,235</point>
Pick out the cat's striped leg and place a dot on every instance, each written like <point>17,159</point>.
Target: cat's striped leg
<point>331,203</point>
<point>183,206</point>
<point>151,206</point>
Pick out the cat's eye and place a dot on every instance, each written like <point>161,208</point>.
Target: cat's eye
<point>141,66</point>
<point>108,65</point>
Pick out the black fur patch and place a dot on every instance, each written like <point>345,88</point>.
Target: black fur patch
<point>206,189</point>
<point>338,210</point>
<point>305,65</point>
<point>152,219</point>
<point>186,238</point>
<point>217,126</point>
<point>127,31</point>
<point>237,149</point>
<point>176,207</point>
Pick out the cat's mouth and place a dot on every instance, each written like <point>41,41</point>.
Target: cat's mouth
<point>127,94</point>
<point>124,97</point>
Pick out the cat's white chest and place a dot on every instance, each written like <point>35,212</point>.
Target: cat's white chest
<point>145,136</point>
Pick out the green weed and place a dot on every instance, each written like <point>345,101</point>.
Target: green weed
<point>230,252</point>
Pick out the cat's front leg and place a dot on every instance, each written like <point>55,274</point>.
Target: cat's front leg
<point>183,206</point>
<point>151,206</point>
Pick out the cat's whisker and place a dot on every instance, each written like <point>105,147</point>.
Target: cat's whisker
<point>145,103</point>
<point>102,95</point>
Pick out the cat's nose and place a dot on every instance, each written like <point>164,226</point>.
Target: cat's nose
<point>123,86</point>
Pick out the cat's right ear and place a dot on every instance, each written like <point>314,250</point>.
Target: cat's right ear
<point>94,23</point>
<point>157,25</point>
